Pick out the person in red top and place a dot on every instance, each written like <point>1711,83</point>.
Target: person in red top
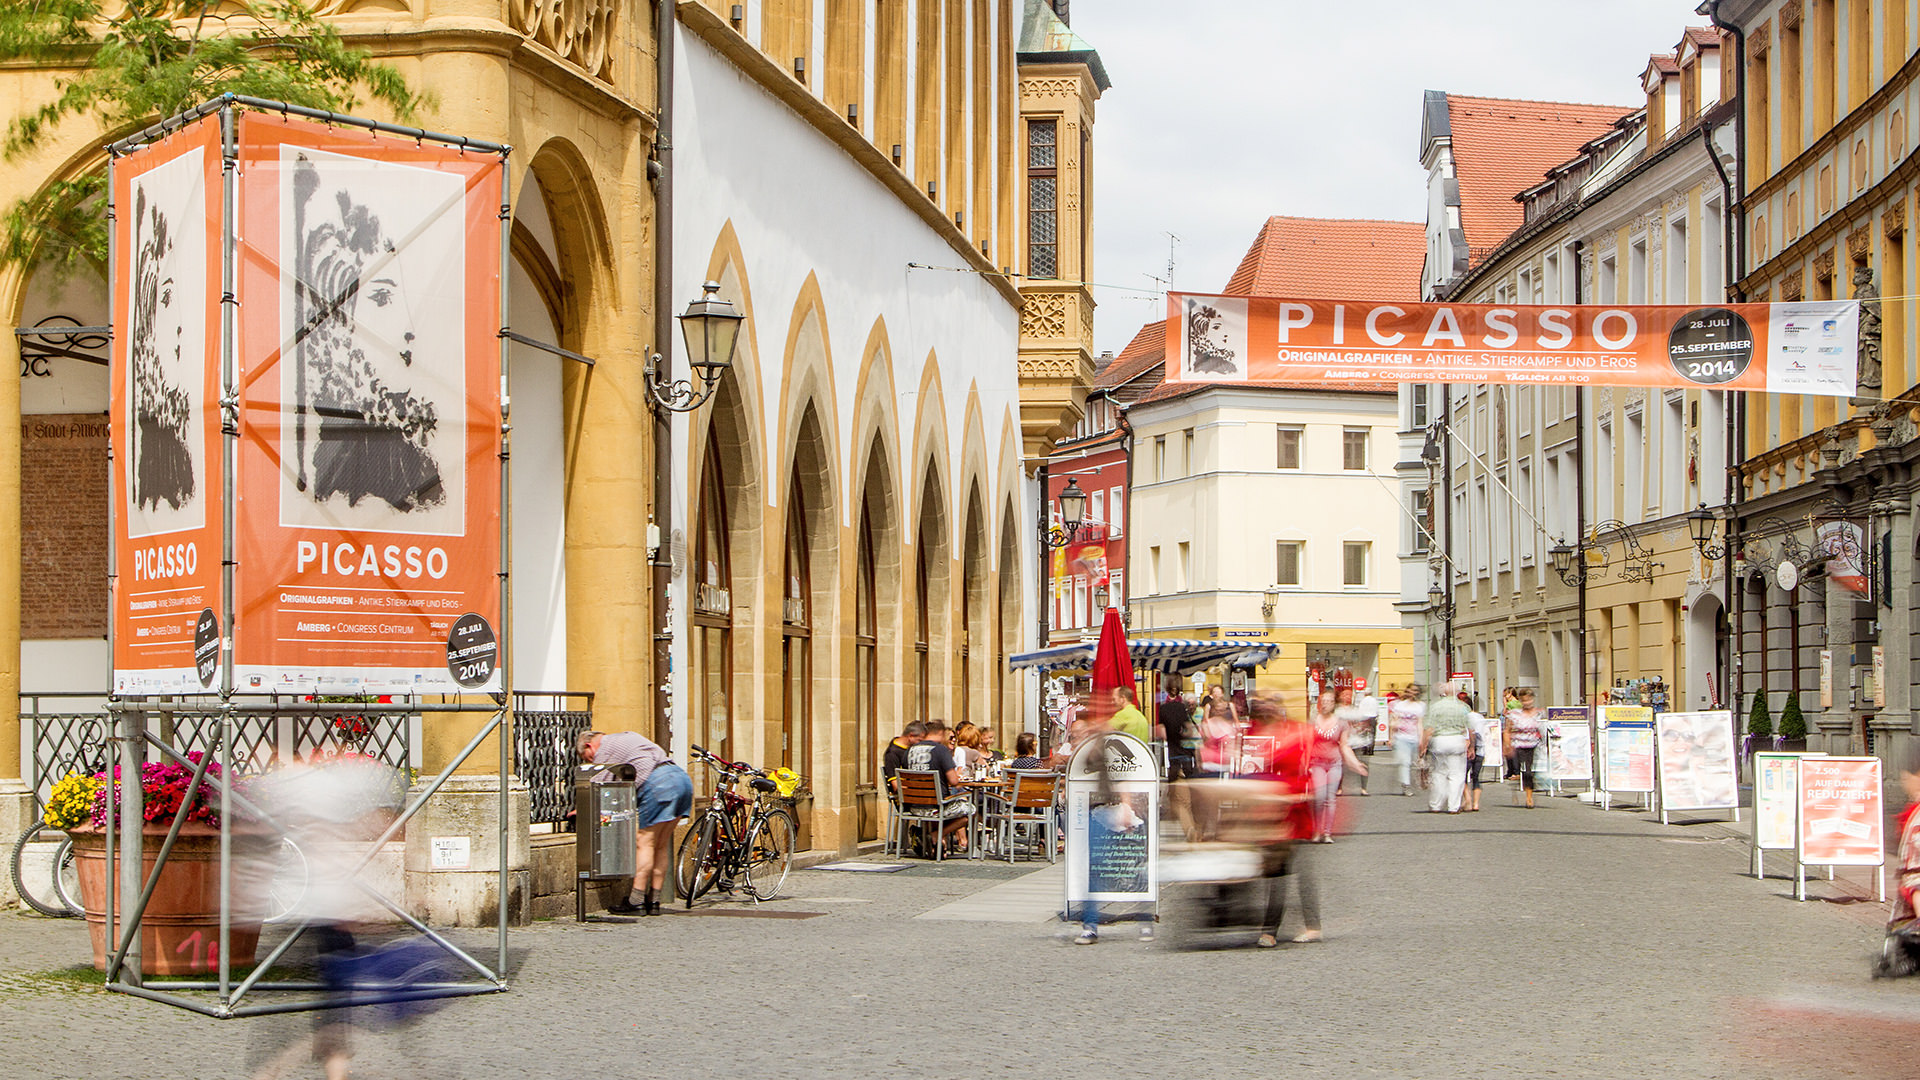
<point>1901,954</point>
<point>1289,773</point>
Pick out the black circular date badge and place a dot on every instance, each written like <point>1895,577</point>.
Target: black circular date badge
<point>472,651</point>
<point>1709,346</point>
<point>206,646</point>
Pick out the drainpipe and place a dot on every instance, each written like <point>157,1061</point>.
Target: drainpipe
<point>660,169</point>
<point>1445,494</point>
<point>1735,248</point>
<point>1045,577</point>
<point>1580,498</point>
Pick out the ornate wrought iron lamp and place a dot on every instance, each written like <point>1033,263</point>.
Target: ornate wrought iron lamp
<point>1700,525</point>
<point>711,328</point>
<point>1073,511</point>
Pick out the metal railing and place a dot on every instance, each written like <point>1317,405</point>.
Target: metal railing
<point>65,739</point>
<point>545,725</point>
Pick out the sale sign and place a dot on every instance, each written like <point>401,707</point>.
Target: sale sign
<point>164,419</point>
<point>1841,812</point>
<point>1796,348</point>
<point>368,526</point>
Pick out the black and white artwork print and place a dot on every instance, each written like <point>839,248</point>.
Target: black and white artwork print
<point>167,310</point>
<point>1216,330</point>
<point>373,379</point>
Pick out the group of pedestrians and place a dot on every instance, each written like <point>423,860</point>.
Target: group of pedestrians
<point>1452,742</point>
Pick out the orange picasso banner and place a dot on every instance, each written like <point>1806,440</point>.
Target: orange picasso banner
<point>367,531</point>
<point>165,414</point>
<point>1798,348</point>
<point>1842,818</point>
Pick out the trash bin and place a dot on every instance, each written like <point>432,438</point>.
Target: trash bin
<point>605,828</point>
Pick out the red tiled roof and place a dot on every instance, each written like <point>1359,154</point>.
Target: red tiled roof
<point>1704,37</point>
<point>1333,259</point>
<point>1148,347</point>
<point>1502,147</point>
<point>1664,63</point>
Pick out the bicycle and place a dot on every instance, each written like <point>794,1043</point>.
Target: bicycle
<point>44,876</point>
<point>735,840</point>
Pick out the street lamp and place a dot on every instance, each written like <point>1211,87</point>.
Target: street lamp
<point>1437,600</point>
<point>1073,511</point>
<point>1563,556</point>
<point>711,329</point>
<point>1700,525</point>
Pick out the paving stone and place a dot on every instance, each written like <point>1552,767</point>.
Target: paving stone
<point>1558,942</point>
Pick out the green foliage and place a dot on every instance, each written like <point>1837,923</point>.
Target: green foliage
<point>1793,724</point>
<point>1759,720</point>
<point>134,62</point>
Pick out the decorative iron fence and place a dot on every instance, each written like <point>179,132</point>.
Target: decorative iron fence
<point>64,740</point>
<point>545,725</point>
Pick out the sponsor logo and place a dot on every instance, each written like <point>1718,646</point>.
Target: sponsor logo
<point>1793,348</point>
<point>1829,350</point>
<point>1791,328</point>
<point>1829,327</point>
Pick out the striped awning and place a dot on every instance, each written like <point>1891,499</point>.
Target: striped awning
<point>1168,656</point>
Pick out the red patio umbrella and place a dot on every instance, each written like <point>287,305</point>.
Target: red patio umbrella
<point>1112,665</point>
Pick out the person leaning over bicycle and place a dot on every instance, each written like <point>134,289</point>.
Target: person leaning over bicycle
<point>664,796</point>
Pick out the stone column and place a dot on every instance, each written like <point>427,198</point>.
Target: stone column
<point>1894,723</point>
<point>16,801</point>
<point>1835,722</point>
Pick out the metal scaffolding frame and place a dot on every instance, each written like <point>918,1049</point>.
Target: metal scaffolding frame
<point>130,740</point>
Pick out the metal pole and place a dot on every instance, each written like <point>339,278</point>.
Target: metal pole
<point>662,555</point>
<point>132,756</point>
<point>138,910</point>
<point>229,472</point>
<point>505,581</point>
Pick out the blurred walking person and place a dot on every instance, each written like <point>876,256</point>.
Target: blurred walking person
<point>1443,734</point>
<point>1405,715</point>
<point>1360,724</point>
<point>1328,761</point>
<point>1522,732</point>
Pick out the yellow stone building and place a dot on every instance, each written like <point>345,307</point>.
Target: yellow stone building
<point>895,194</point>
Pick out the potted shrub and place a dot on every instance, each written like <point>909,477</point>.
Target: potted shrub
<point>180,931</point>
<point>1793,725</point>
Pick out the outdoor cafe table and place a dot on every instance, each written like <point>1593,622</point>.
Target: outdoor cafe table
<point>980,790</point>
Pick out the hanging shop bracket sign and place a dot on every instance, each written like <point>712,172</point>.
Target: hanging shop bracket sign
<point>1798,348</point>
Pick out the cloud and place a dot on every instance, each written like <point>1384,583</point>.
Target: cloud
<point>1224,114</point>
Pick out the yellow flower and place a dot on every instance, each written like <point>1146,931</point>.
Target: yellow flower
<point>71,804</point>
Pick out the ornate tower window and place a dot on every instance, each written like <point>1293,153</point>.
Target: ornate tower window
<point>1042,198</point>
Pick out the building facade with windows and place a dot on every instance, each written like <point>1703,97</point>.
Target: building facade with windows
<point>1632,214</point>
<point>1830,95</point>
<point>1267,512</point>
<point>849,541</point>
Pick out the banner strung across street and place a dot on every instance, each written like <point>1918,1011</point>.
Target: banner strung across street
<point>1798,348</point>
<point>165,419</point>
<point>368,539</point>
<point>1696,761</point>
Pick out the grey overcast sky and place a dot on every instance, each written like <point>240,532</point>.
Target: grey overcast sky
<point>1225,113</point>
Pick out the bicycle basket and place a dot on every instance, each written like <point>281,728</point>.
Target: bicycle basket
<point>786,780</point>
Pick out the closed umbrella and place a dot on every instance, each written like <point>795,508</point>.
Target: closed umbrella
<point>1112,666</point>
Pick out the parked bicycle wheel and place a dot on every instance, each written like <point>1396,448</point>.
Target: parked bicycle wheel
<point>698,862</point>
<point>289,884</point>
<point>41,858</point>
<point>770,854</point>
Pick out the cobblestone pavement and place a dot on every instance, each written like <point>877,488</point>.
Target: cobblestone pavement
<point>1559,942</point>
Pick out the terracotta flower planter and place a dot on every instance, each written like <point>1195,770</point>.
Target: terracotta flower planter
<point>180,934</point>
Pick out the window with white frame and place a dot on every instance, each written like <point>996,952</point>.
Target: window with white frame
<point>1286,562</point>
<point>1289,437</point>
<point>1419,392</point>
<point>1097,506</point>
<point>1183,569</point>
<point>1502,520</point>
<point>1353,449</point>
<point>1114,503</point>
<point>1529,533</point>
<point>1353,562</point>
<point>1153,570</point>
<point>1421,522</point>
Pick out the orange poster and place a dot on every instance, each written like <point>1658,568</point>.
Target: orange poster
<point>368,524</point>
<point>165,414</point>
<point>1841,812</point>
<point>1798,348</point>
